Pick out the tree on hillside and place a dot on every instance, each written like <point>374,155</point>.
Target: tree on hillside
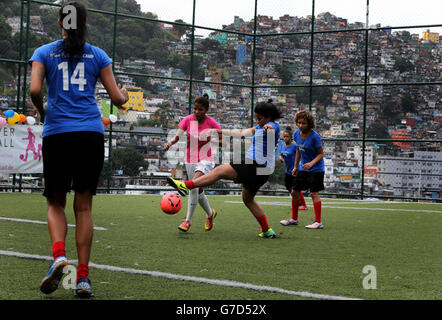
<point>406,36</point>
<point>156,51</point>
<point>128,160</point>
<point>389,112</point>
<point>322,95</point>
<point>408,104</point>
<point>377,130</point>
<point>208,44</point>
<point>6,41</point>
<point>180,28</point>
<point>283,73</point>
<point>10,8</point>
<point>165,113</point>
<point>402,64</point>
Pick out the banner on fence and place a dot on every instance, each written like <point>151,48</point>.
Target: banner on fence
<point>20,149</point>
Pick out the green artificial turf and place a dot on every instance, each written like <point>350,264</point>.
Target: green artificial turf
<point>402,244</point>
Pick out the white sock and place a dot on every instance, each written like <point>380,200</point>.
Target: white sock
<point>191,204</point>
<point>204,202</point>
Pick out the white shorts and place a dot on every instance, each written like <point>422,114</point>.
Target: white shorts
<point>204,166</point>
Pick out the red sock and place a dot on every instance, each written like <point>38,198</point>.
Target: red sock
<point>189,184</point>
<point>82,271</point>
<point>263,222</point>
<point>302,200</point>
<point>295,205</point>
<point>58,249</point>
<point>317,207</point>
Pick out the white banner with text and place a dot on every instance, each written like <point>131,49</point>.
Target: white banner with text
<point>21,149</point>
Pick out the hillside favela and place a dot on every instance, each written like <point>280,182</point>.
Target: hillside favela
<point>394,94</point>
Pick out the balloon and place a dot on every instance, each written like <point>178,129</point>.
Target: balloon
<point>22,118</point>
<point>30,120</point>
<point>2,122</point>
<point>105,121</point>
<point>11,121</point>
<point>9,113</point>
<point>113,118</point>
<point>16,117</point>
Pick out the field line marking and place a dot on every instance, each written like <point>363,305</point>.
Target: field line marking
<point>350,208</point>
<point>225,283</point>
<point>42,222</point>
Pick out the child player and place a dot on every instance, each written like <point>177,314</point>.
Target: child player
<point>199,158</point>
<point>288,155</point>
<point>310,175</point>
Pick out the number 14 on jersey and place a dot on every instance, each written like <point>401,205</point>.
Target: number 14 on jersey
<point>76,78</point>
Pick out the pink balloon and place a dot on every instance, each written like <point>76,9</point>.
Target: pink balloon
<point>2,122</point>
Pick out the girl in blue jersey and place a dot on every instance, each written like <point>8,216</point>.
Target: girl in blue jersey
<point>73,135</point>
<point>257,167</point>
<point>287,156</point>
<point>309,163</point>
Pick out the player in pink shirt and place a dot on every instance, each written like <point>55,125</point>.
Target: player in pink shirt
<point>198,157</point>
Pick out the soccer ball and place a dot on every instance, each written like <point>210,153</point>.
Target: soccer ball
<point>170,203</point>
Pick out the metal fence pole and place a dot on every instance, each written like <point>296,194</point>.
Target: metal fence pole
<point>252,90</point>
<point>364,114</point>
<point>192,48</point>
<point>312,40</point>
<point>114,45</point>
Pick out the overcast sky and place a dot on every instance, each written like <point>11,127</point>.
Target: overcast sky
<point>215,13</point>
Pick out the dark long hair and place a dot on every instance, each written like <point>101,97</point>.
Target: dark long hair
<point>73,44</point>
<point>268,109</point>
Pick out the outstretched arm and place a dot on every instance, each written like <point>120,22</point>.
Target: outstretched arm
<point>237,132</point>
<point>174,139</point>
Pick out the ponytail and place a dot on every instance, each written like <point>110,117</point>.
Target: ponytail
<point>73,44</point>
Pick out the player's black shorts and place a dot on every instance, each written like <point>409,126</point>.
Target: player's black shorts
<point>72,161</point>
<point>249,176</point>
<point>288,181</point>
<point>313,181</point>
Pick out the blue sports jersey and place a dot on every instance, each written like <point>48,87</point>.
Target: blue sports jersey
<point>258,149</point>
<point>289,156</point>
<point>71,104</point>
<point>308,149</point>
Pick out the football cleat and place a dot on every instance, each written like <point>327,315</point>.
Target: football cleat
<point>315,225</point>
<point>185,226</point>
<point>302,207</point>
<point>178,186</point>
<point>84,289</point>
<point>289,222</point>
<point>268,234</point>
<point>209,220</point>
<point>50,282</point>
